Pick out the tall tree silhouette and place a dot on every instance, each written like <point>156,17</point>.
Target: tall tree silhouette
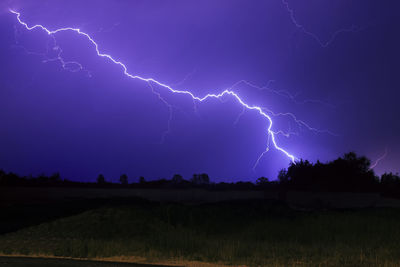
<point>262,181</point>
<point>100,179</point>
<point>177,179</point>
<point>200,179</point>
<point>347,173</point>
<point>123,179</point>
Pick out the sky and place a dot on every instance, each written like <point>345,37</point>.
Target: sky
<point>325,72</point>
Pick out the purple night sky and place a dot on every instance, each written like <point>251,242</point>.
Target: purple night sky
<point>333,64</point>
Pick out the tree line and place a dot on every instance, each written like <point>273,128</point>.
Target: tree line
<point>350,173</point>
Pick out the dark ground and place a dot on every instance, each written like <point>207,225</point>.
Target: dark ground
<point>238,232</point>
<point>38,262</point>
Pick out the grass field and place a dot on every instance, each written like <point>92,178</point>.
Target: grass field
<point>252,233</point>
<point>53,262</point>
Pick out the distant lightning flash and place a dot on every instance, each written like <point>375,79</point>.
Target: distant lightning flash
<point>228,92</point>
<point>322,43</point>
<point>170,109</point>
<point>379,159</point>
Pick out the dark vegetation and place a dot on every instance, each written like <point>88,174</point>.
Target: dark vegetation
<point>252,233</point>
<point>238,232</point>
<point>42,262</point>
<point>349,173</point>
<point>18,216</point>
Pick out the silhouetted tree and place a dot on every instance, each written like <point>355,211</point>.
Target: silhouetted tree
<point>262,181</point>
<point>283,177</point>
<point>195,179</point>
<point>177,179</point>
<point>55,177</point>
<point>42,178</point>
<point>123,179</point>
<point>142,180</point>
<point>204,178</point>
<point>200,179</point>
<point>390,184</point>
<point>2,177</point>
<point>100,179</point>
<point>350,173</point>
<point>390,179</point>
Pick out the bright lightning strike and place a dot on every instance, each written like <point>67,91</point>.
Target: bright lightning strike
<point>55,50</point>
<point>228,92</point>
<point>283,93</point>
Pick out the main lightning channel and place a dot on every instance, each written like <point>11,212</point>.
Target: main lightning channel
<point>270,132</point>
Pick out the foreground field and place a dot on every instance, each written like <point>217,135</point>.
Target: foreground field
<point>251,233</point>
<point>43,262</point>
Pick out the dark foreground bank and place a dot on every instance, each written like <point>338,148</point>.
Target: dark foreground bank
<point>251,232</point>
<point>41,262</point>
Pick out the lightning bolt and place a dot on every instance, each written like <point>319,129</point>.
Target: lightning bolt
<point>379,159</point>
<point>54,48</point>
<point>189,75</point>
<point>151,81</point>
<point>170,109</point>
<point>239,116</point>
<point>322,43</point>
<point>283,93</point>
<point>293,98</point>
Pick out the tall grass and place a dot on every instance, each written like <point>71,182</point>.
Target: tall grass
<point>253,234</point>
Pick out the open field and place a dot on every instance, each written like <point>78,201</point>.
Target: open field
<point>53,262</point>
<point>189,195</point>
<point>252,233</point>
<point>38,195</point>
